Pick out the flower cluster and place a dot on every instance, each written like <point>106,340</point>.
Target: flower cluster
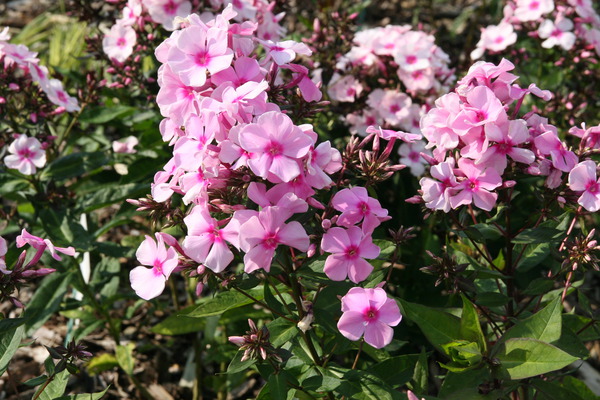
<point>241,164</point>
<point>556,25</point>
<point>476,137</point>
<point>404,56</point>
<point>120,41</point>
<point>12,279</point>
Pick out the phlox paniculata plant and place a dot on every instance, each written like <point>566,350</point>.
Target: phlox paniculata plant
<point>29,94</point>
<point>256,187</point>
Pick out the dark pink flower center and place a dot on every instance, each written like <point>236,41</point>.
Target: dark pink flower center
<point>503,148</point>
<point>363,207</point>
<point>270,241</point>
<point>556,33</point>
<point>592,187</point>
<point>350,92</point>
<point>473,184</point>
<point>157,267</point>
<point>480,115</point>
<point>394,108</point>
<point>499,39</point>
<point>414,156</point>
<point>534,5</point>
<point>352,252</point>
<point>370,314</point>
<point>202,59</point>
<point>121,42</point>
<point>274,149</point>
<point>411,59</point>
<point>170,7</point>
<point>62,97</point>
<point>25,153</point>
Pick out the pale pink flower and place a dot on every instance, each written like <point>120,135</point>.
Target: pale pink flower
<point>277,143</point>
<point>477,185</point>
<point>507,138</point>
<point>165,11</point>
<point>582,178</point>
<point>415,52</point>
<point>371,313</point>
<point>344,88</point>
<point>126,145</point>
<point>206,241</point>
<point>262,233</point>
<point>118,42</point>
<point>410,155</point>
<point>531,10</point>
<point>418,80</point>
<point>198,51</point>
<point>557,33</point>
<point>41,245</point>
<point>495,38</point>
<point>549,144</point>
<point>356,206</point>
<point>437,192</point>
<point>26,155</point>
<point>131,13</point>
<point>57,95</point>
<point>150,282</point>
<point>348,250</point>
<point>284,52</point>
<point>392,105</point>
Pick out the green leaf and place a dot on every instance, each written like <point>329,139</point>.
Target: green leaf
<point>541,234</point>
<point>545,325</point>
<point>438,326</point>
<point>179,324</point>
<point>539,286</point>
<point>464,385</point>
<point>106,196</point>
<point>224,301</point>
<point>324,381</point>
<point>470,328</point>
<point>84,396</point>
<point>522,358</point>
<point>9,343</point>
<point>282,331</point>
<point>532,256</point>
<point>54,389</point>
<point>125,358</point>
<point>279,386</point>
<point>362,385</point>
<point>464,355</point>
<point>421,374</point>
<point>105,278</point>
<point>46,300</point>
<point>237,365</point>
<point>9,324</point>
<point>101,115</point>
<point>397,370</point>
<point>102,363</point>
<point>491,299</point>
<point>74,165</point>
<point>33,382</point>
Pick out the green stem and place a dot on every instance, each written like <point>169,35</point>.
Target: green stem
<point>50,379</point>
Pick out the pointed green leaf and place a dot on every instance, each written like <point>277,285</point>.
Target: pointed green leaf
<point>470,328</point>
<point>54,389</point>
<point>522,358</point>
<point>125,358</point>
<point>224,301</point>
<point>545,325</point>
<point>9,343</point>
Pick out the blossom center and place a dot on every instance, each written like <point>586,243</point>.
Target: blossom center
<point>414,156</point>
<point>170,7</point>
<point>364,208</point>
<point>25,153</point>
<point>592,187</point>
<point>270,241</point>
<point>394,108</point>
<point>157,267</point>
<point>121,42</point>
<point>202,59</point>
<point>534,5</point>
<point>411,59</point>
<point>352,252</point>
<point>370,314</point>
<point>499,39</point>
<point>274,149</point>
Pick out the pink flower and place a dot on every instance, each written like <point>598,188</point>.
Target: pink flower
<point>164,11</point>
<point>277,145</point>
<point>557,33</point>
<point>349,248</point>
<point>437,192</point>
<point>205,241</point>
<point>549,143</point>
<point>262,233</point>
<point>150,282</point>
<point>284,52</point>
<point>410,155</point>
<point>495,38</point>
<point>476,187</point>
<point>582,178</point>
<point>356,205</point>
<point>371,313</point>
<point>57,95</point>
<point>26,155</point>
<point>41,245</point>
<point>125,146</point>
<point>531,10</point>
<point>391,105</point>
<point>118,42</point>
<point>344,88</point>
<point>507,138</point>
<point>198,51</point>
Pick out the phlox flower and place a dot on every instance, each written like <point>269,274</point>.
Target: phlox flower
<point>118,42</point>
<point>557,33</point>
<point>41,245</point>
<point>344,88</point>
<point>263,232</point>
<point>3,250</point>
<point>414,54</point>
<point>371,313</point>
<point>531,10</point>
<point>284,52</point>
<point>392,105</point>
<point>410,155</point>
<point>418,80</point>
<point>277,145</point>
<point>348,250</point>
<point>582,178</point>
<point>206,241</point>
<point>150,282</point>
<point>548,143</point>
<point>198,51</point>
<point>322,161</point>
<point>356,206</point>
<point>476,186</point>
<point>164,11</point>
<point>125,146</point>
<point>57,95</point>
<point>437,192</point>
<point>507,138</point>
<point>495,38</point>
<point>25,155</point>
